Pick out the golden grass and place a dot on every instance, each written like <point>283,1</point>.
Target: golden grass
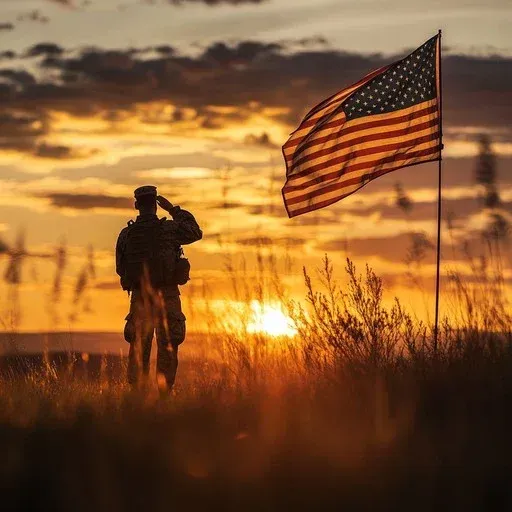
<point>356,411</point>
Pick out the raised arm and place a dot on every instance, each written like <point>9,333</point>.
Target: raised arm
<point>184,227</point>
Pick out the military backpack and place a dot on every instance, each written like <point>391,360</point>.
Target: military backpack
<point>149,255</point>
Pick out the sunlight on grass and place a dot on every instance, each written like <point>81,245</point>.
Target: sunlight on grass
<point>342,398</point>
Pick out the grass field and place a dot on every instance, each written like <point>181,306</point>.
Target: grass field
<point>358,411</point>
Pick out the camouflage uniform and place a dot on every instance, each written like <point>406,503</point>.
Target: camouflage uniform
<point>158,310</point>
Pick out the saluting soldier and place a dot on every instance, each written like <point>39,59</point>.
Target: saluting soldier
<point>151,265</point>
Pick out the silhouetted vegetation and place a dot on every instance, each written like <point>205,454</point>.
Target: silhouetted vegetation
<point>355,411</point>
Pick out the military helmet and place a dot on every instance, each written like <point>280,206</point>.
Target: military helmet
<point>145,190</point>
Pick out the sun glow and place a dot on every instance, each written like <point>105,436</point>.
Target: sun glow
<point>271,320</point>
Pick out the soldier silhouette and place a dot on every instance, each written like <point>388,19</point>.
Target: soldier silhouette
<point>150,263</point>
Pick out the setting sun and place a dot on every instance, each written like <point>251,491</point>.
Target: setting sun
<point>270,319</point>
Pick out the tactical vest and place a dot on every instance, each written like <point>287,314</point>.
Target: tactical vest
<point>148,255</point>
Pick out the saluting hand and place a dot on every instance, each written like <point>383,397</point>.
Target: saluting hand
<point>164,203</point>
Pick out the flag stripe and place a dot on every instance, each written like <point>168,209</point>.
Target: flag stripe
<point>305,173</point>
<point>332,122</point>
<point>371,136</point>
<point>339,190</point>
<point>366,145</point>
<point>357,169</point>
<point>354,158</point>
<point>354,186</point>
<point>330,169</point>
<point>362,124</point>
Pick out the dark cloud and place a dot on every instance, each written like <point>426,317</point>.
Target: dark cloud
<point>43,149</point>
<point>34,16</point>
<point>249,73</point>
<point>67,3</point>
<point>17,77</point>
<point>256,241</point>
<point>164,49</point>
<point>20,131</point>
<point>212,3</point>
<point>262,140</point>
<point>248,76</point>
<point>45,49</point>
<point>56,152</point>
<point>461,208</point>
<point>306,42</point>
<point>263,241</point>
<point>6,92</point>
<point>207,2</point>
<point>243,54</point>
<point>276,210</point>
<point>478,91</point>
<point>222,205</point>
<point>6,27</point>
<point>7,55</point>
<point>400,247</point>
<point>88,201</point>
<point>15,126</point>
<point>392,248</point>
<point>264,209</point>
<point>25,132</point>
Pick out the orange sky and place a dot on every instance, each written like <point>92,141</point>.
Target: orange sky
<point>99,98</point>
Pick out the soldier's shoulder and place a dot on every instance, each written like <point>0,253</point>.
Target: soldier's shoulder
<point>167,224</point>
<point>124,231</point>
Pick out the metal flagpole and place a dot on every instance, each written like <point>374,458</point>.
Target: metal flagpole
<point>438,262</point>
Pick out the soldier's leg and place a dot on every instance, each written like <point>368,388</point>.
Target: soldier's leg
<point>170,334</point>
<point>139,333</point>
<point>147,341</point>
<point>138,358</point>
<point>166,364</point>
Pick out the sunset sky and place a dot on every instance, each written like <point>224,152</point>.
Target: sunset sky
<point>197,97</point>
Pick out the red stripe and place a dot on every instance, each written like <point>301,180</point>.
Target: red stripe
<point>320,106</point>
<point>307,124</point>
<point>328,202</point>
<point>292,142</point>
<point>351,156</point>
<point>360,140</point>
<point>364,126</point>
<point>367,165</point>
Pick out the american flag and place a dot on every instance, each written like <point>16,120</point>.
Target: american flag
<point>388,120</point>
